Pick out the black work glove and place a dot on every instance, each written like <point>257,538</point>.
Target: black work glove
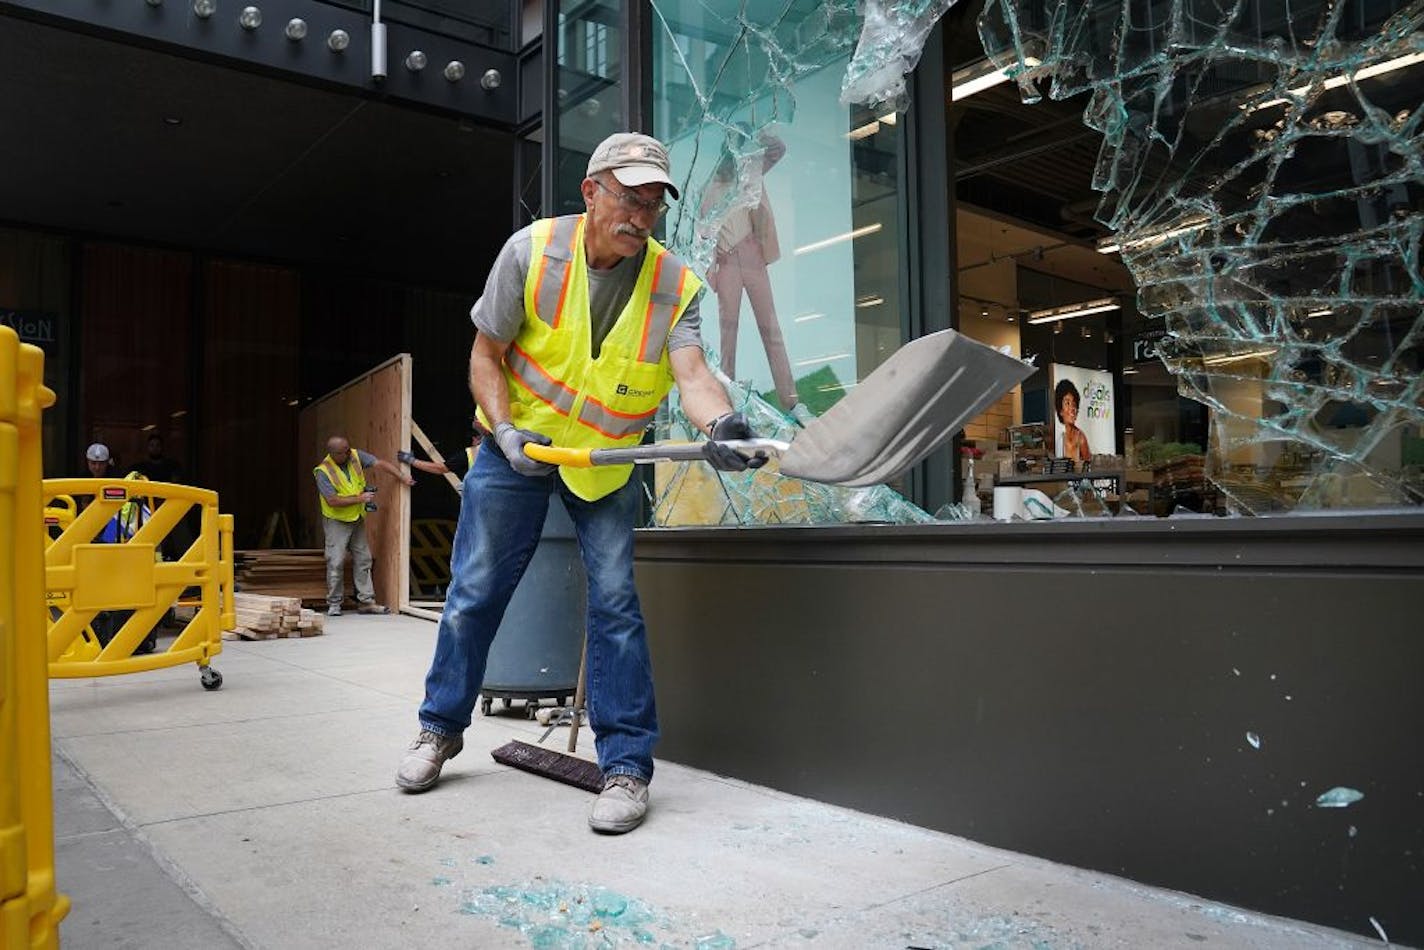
<point>512,441</point>
<point>405,457</point>
<point>726,428</point>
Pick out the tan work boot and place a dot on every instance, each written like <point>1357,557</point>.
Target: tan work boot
<point>621,806</point>
<point>420,767</point>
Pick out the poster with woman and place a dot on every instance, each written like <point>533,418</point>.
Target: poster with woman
<point>1083,412</point>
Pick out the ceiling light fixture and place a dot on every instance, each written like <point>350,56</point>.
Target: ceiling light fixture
<point>1053,314</point>
<point>415,61</point>
<point>872,300</point>
<point>338,40</point>
<point>864,131</point>
<point>250,18</point>
<point>1322,312</point>
<point>1112,246</point>
<point>296,29</point>
<point>202,9</point>
<point>454,70</point>
<point>1223,358</point>
<point>378,43</point>
<point>172,120</point>
<point>983,75</point>
<point>1340,79</point>
<point>848,236</point>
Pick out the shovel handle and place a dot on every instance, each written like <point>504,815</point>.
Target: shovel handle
<point>644,454</point>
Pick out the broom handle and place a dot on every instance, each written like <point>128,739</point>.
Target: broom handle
<point>578,698</point>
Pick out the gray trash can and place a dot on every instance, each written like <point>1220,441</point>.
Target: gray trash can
<point>536,653</point>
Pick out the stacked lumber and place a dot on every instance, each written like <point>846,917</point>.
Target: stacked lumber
<point>260,617</point>
<point>284,572</point>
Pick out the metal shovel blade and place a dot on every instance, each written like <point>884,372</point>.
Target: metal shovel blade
<point>906,408</point>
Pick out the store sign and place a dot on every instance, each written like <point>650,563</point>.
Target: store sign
<point>41,329</point>
<point>1144,345</point>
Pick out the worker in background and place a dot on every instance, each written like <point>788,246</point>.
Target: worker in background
<point>98,461</point>
<point>576,351</point>
<point>157,467</point>
<point>458,466</point>
<point>345,499</point>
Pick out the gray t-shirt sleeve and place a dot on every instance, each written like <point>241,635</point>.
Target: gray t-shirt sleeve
<point>499,313</point>
<point>688,330</point>
<point>367,459</point>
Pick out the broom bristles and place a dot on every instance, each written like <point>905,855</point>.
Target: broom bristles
<point>568,769</point>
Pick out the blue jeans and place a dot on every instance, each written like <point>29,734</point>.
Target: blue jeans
<point>501,519</point>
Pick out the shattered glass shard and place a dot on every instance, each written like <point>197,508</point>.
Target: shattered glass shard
<point>1338,797</point>
<point>892,38</point>
<point>1263,168</point>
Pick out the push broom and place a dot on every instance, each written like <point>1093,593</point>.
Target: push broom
<point>569,769</point>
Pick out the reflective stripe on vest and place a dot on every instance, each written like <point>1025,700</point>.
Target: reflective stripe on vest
<point>553,278</point>
<point>343,485</point>
<point>538,381</point>
<point>668,282</point>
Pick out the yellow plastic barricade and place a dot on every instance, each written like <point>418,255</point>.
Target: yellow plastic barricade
<point>103,557</point>
<point>30,908</point>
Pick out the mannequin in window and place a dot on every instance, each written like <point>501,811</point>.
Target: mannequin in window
<point>746,244</point>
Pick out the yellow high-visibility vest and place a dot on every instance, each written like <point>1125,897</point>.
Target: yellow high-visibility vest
<point>556,387</point>
<point>353,483</point>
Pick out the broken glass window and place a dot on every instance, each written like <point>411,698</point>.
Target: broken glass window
<point>1262,166</point>
<point>789,205</point>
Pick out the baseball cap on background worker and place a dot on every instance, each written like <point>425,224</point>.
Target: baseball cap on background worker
<point>98,452</point>
<point>634,159</point>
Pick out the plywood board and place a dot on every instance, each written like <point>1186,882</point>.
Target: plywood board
<point>373,412</point>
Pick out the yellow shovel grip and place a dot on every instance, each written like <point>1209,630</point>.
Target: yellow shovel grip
<point>557,455</point>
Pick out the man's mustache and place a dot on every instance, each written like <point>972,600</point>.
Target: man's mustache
<point>633,231</point>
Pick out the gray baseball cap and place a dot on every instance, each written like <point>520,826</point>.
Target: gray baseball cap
<point>634,159</point>
<point>98,452</point>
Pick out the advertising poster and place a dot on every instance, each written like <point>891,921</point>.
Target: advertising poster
<point>1082,412</point>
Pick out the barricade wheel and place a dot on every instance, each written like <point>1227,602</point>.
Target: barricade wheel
<point>211,678</point>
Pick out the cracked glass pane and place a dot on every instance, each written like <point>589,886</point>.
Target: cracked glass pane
<point>1263,168</point>
<point>790,206</point>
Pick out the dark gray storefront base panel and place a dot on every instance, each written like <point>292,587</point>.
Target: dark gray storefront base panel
<point>1079,692</point>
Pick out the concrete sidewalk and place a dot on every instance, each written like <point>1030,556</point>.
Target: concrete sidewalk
<point>265,815</point>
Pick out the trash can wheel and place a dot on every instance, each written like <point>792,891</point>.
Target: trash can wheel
<point>486,706</point>
<point>211,678</point>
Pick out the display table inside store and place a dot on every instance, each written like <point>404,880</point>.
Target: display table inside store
<point>1115,476</point>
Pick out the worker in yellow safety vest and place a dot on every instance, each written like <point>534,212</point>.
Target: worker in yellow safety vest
<point>585,324</point>
<point>345,498</point>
